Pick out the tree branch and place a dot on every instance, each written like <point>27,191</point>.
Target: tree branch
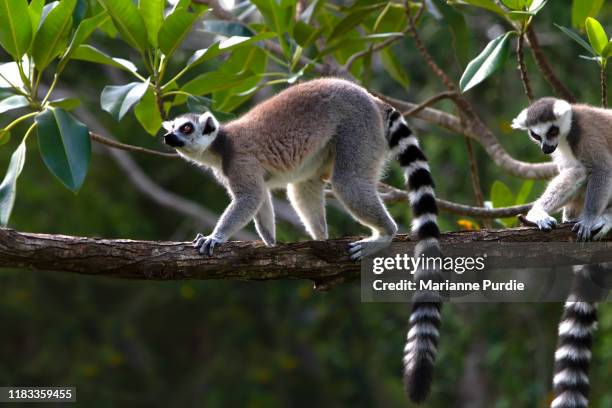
<point>520,57</point>
<point>323,262</point>
<point>485,137</point>
<point>129,148</point>
<point>545,68</point>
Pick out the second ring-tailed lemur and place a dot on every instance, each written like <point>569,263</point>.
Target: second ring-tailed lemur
<point>318,131</point>
<point>579,137</point>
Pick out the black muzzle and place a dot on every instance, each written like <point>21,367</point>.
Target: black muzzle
<point>173,140</point>
<point>548,149</point>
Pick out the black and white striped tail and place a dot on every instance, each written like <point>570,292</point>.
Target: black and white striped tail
<point>422,340</point>
<point>573,356</point>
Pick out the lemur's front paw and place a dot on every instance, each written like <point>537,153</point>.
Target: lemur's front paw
<point>604,225</point>
<point>366,247</point>
<point>593,228</point>
<point>206,244</point>
<point>541,218</point>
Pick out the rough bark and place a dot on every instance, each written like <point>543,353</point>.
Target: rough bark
<point>324,262</point>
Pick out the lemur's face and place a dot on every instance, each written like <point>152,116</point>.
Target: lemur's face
<point>548,120</point>
<point>191,133</point>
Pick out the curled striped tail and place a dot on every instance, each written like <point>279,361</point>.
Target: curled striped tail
<point>573,355</point>
<point>422,340</point>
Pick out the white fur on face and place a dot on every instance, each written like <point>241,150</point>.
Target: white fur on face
<point>519,122</point>
<point>197,142</point>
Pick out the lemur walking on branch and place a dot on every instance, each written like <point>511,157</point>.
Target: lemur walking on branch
<point>325,130</point>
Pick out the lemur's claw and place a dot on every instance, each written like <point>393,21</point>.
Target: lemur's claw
<point>366,247</point>
<point>206,245</point>
<point>583,230</point>
<point>541,218</point>
<point>355,250</point>
<point>547,224</point>
<point>602,227</point>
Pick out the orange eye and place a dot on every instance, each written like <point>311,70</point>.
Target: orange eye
<point>186,129</point>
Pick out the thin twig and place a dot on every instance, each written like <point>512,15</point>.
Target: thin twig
<point>521,67</point>
<point>476,186</point>
<point>545,68</point>
<point>427,103</point>
<point>390,194</point>
<point>130,148</point>
<point>351,60</point>
<point>604,85</point>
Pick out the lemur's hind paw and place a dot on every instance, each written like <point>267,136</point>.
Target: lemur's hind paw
<point>540,218</point>
<point>366,247</point>
<point>206,245</point>
<point>604,225</point>
<point>585,228</point>
<point>595,229</point>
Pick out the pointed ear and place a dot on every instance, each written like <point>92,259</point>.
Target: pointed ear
<point>167,125</point>
<point>520,121</point>
<point>561,108</point>
<point>208,123</point>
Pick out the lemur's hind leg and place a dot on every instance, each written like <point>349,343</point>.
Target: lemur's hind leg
<point>308,200</point>
<point>361,199</point>
<point>264,221</point>
<point>355,175</point>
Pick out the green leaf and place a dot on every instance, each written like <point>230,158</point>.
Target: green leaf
<point>514,4</point>
<point>227,28</point>
<point>305,34</point>
<point>128,22</point>
<point>485,4</point>
<point>5,136</point>
<point>35,9</point>
<point>8,187</point>
<point>148,114</point>
<point>394,68</point>
<point>65,103</point>
<point>83,31</point>
<point>571,34</point>
<point>13,102</point>
<point>91,54</point>
<point>349,41</point>
<point>311,11</point>
<point>607,51</point>
<point>198,103</point>
<point>278,15</point>
<point>174,29</point>
<point>15,27</point>
<point>597,35</point>
<point>152,12</point>
<point>353,19</point>
<point>523,194</point>
<point>581,9</point>
<point>52,36</point>
<point>461,38</point>
<point>536,6</point>
<point>501,196</point>
<point>79,12</point>
<point>490,59</point>
<point>64,145</point>
<point>218,48</point>
<point>117,100</point>
<point>214,81</point>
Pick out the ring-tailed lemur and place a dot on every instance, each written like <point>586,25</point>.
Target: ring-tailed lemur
<point>322,130</point>
<point>579,137</point>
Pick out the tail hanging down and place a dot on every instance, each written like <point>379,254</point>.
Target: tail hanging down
<point>578,322</point>
<point>422,340</point>
<point>573,355</point>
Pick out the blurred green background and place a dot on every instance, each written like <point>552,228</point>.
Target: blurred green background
<point>278,344</point>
